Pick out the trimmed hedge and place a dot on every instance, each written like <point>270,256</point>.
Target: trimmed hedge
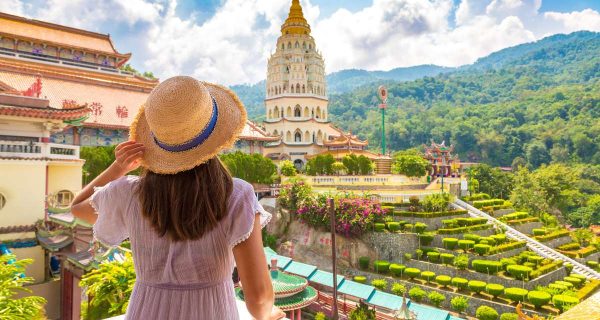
<point>464,229</point>
<point>522,221</point>
<point>460,283</point>
<point>485,203</point>
<point>507,247</point>
<point>557,286</point>
<point>552,235</point>
<point>482,249</point>
<point>420,227</point>
<point>592,264</point>
<point>427,275</point>
<point>363,262</point>
<point>476,286</point>
<point>509,316</point>
<point>379,227</point>
<point>486,313</point>
<point>426,239</point>
<point>485,266</point>
<point>561,301</point>
<point>569,246</point>
<point>393,226</point>
<point>466,244</point>
<point>500,238</point>
<point>514,216</point>
<point>539,232</point>
<point>447,258</point>
<point>519,272</point>
<point>450,243</point>
<point>565,284</point>
<point>443,280</point>
<point>516,294</point>
<point>473,237</point>
<point>477,196</point>
<point>429,214</point>
<point>381,266</point>
<point>494,289</point>
<point>360,279</point>
<point>433,257</point>
<point>397,269</point>
<point>575,281</point>
<point>545,269</point>
<point>408,227</point>
<point>412,272</point>
<point>416,293</point>
<point>380,284</point>
<point>588,289</point>
<point>538,298</point>
<point>535,259</point>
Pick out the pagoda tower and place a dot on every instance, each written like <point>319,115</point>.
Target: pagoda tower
<point>296,94</point>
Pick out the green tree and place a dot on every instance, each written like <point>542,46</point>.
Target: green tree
<point>351,163</point>
<point>365,165</point>
<point>320,165</point>
<point>11,282</point>
<point>253,168</point>
<point>436,202</point>
<point>493,181</point>
<point>583,236</point>
<point>537,154</point>
<point>362,312</point>
<point>459,303</point>
<point>338,168</point>
<point>108,289</point>
<point>97,159</point>
<point>410,165</point>
<point>287,168</point>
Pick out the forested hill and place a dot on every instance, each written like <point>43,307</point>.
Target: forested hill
<point>539,101</point>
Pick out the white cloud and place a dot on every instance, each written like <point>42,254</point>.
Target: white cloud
<point>233,45</point>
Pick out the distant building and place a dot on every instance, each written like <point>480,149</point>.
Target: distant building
<point>296,102</point>
<point>442,161</point>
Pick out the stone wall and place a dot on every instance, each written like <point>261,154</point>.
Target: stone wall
<point>392,246</point>
<point>437,239</point>
<point>440,269</point>
<point>591,257</point>
<point>502,212</point>
<point>474,302</point>
<point>558,242</point>
<point>527,228</point>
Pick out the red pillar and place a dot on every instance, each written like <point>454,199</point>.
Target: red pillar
<point>292,314</point>
<point>299,315</point>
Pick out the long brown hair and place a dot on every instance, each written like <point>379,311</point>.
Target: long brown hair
<point>186,205</point>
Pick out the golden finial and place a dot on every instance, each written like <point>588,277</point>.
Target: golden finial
<point>295,22</point>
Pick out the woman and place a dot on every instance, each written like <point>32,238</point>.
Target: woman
<point>187,219</point>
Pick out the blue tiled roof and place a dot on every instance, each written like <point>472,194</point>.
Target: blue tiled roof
<point>386,300</point>
<point>428,313</point>
<point>325,278</point>
<point>356,289</point>
<point>299,268</point>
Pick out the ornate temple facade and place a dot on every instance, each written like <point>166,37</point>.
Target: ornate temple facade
<point>441,159</point>
<point>296,98</point>
<point>72,67</point>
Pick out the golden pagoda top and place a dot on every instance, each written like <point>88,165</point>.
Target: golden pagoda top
<point>295,22</point>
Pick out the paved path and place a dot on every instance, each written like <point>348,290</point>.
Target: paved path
<point>533,244</point>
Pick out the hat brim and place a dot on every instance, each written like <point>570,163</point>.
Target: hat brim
<point>230,123</point>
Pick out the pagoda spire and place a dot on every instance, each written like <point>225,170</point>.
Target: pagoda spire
<point>295,22</point>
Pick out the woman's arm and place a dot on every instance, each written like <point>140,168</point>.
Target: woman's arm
<point>127,155</point>
<point>254,275</point>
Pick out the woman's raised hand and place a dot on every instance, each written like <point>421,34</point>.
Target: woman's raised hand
<point>128,155</point>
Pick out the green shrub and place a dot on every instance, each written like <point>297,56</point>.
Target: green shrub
<point>420,227</point>
<point>402,223</point>
<point>450,223</point>
<point>397,269</point>
<point>569,268</point>
<point>565,284</point>
<point>433,257</point>
<point>557,286</point>
<point>529,264</point>
<point>360,279</point>
<point>412,272</point>
<point>459,303</point>
<point>569,246</point>
<point>363,262</point>
<point>461,262</point>
<point>426,238</point>
<point>450,243</point>
<point>545,269</point>
<point>416,293</point>
<point>553,235</point>
<point>499,238</point>
<point>535,259</point>
<point>381,266</point>
<point>393,226</point>
<point>476,286</point>
<point>408,256</point>
<point>460,283</point>
<point>487,266</point>
<point>538,298</point>
<point>486,313</point>
<point>509,316</point>
<point>443,280</point>
<point>519,272</point>
<point>494,289</point>
<point>507,246</point>
<point>539,232</point>
<point>489,240</point>
<point>379,227</point>
<point>419,253</point>
<point>578,276</point>
<point>320,315</point>
<point>447,258</point>
<point>575,281</point>
<point>592,264</point>
<point>507,262</point>
<point>516,294</point>
<point>466,244</point>
<point>473,237</point>
<point>436,298</point>
<point>398,289</point>
<point>408,227</point>
<point>482,249</point>
<point>564,302</point>
<point>427,275</point>
<point>380,284</point>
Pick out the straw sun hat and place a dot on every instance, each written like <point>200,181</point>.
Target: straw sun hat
<point>186,122</point>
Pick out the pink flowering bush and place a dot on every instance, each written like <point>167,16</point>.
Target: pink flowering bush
<point>354,215</point>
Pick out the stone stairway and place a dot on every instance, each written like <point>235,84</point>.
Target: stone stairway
<point>533,244</point>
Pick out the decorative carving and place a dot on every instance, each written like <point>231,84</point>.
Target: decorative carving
<point>35,90</point>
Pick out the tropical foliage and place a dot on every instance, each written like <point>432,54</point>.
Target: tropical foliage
<point>253,168</point>
<point>12,282</point>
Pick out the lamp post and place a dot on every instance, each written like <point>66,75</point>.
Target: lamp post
<point>334,308</point>
<point>443,171</point>
<point>383,95</point>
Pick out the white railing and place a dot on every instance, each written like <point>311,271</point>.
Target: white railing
<point>53,151</point>
<point>533,244</point>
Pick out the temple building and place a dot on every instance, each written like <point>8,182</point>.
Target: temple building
<point>296,98</point>
<point>441,159</point>
<point>72,67</point>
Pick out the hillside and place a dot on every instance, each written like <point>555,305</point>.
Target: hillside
<point>539,101</point>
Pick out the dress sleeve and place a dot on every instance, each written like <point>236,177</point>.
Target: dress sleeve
<point>243,209</point>
<point>111,203</point>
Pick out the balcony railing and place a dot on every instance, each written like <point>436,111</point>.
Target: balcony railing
<point>54,151</point>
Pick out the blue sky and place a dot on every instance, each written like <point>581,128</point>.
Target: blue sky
<point>229,41</point>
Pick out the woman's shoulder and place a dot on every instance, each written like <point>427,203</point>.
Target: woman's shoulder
<point>241,187</point>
